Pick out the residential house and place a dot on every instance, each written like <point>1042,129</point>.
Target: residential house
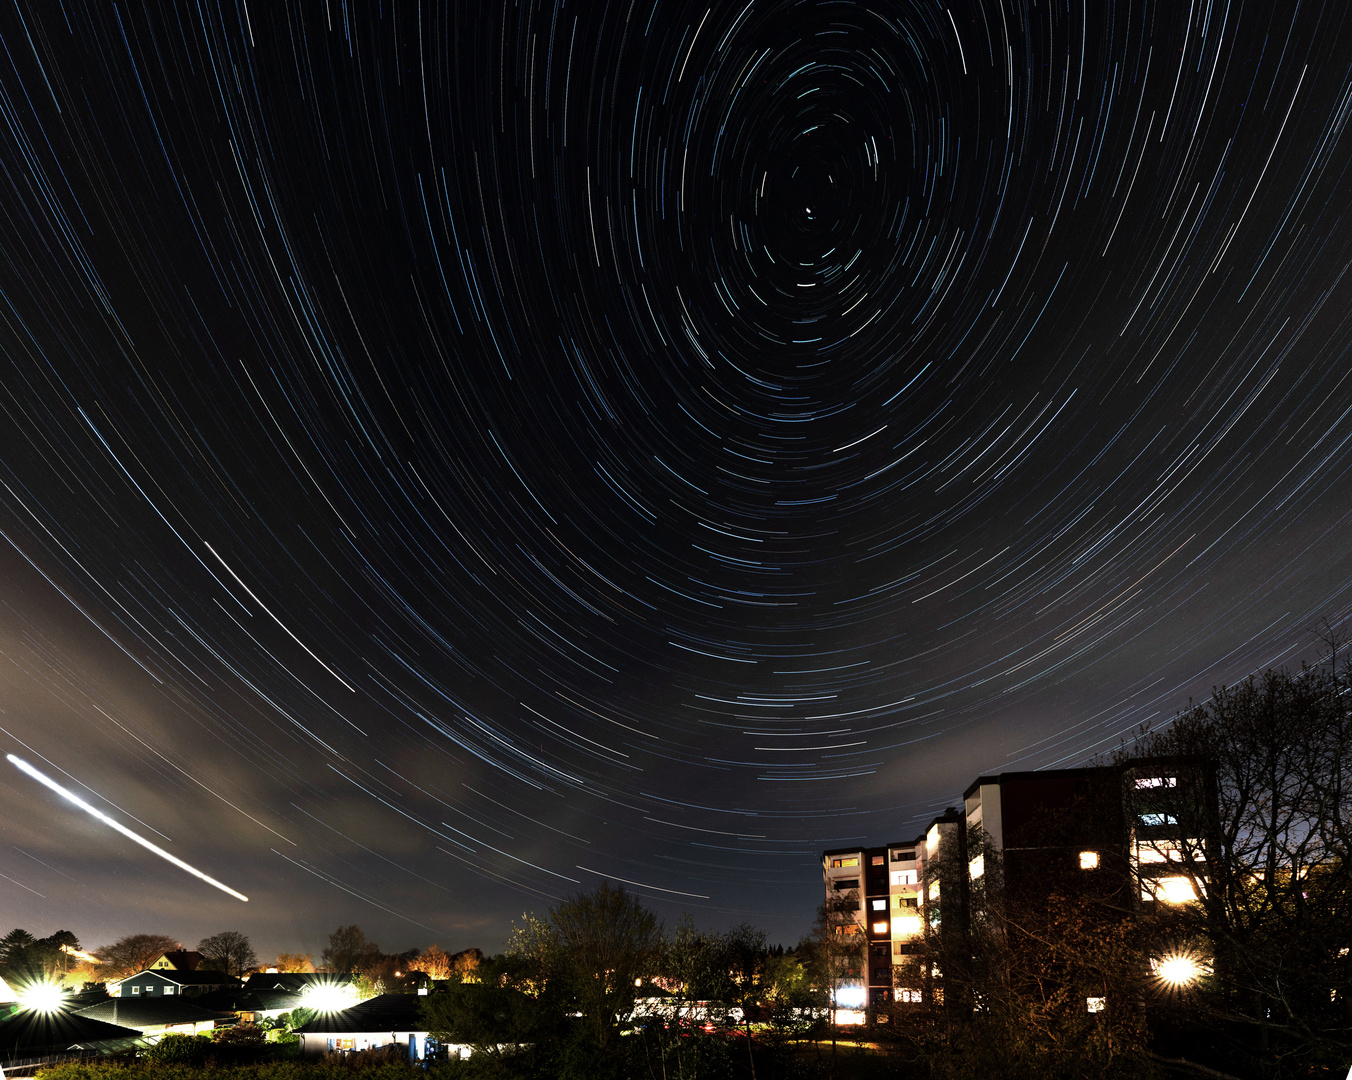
<point>386,1020</point>
<point>168,982</point>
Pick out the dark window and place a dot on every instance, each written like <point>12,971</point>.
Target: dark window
<point>903,856</point>
<point>844,884</point>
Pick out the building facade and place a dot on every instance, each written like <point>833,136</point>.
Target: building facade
<point>1109,832</point>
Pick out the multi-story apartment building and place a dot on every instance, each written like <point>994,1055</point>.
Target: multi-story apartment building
<point>1112,832</point>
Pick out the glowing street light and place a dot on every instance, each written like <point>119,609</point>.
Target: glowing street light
<point>329,997</point>
<point>42,997</point>
<point>1178,970</point>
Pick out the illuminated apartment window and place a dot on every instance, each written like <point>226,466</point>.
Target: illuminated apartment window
<point>1158,819</point>
<point>1143,782</point>
<point>1096,1004</point>
<point>913,997</point>
<point>878,860</point>
<point>904,877</point>
<point>878,905</point>
<point>977,866</point>
<point>1175,889</point>
<point>880,927</point>
<point>836,864</point>
<point>1089,860</point>
<point>906,926</point>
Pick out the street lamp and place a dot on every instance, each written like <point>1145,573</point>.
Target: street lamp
<point>1179,970</point>
<point>42,997</point>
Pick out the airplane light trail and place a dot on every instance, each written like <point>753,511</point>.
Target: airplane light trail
<point>23,766</point>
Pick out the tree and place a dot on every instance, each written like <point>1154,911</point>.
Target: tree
<point>1264,819</point>
<point>133,953</point>
<point>494,1019</point>
<point>1040,980</point>
<point>837,946</point>
<point>348,950</point>
<point>294,962</point>
<point>605,939</point>
<point>228,951</point>
<point>744,953</point>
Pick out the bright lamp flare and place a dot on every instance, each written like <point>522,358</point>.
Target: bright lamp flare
<point>42,997</point>
<point>329,997</point>
<point>1178,970</point>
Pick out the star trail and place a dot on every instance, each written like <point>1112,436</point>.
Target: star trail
<point>453,454</point>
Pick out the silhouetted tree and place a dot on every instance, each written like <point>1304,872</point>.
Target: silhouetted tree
<point>133,953</point>
<point>228,951</point>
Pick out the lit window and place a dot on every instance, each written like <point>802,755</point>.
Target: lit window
<point>836,864</point>
<point>168,989</point>
<point>135,989</point>
<point>878,905</point>
<point>877,860</point>
<point>880,927</point>
<point>1096,1004</point>
<point>977,866</point>
<point>1158,819</point>
<point>906,926</point>
<point>912,996</point>
<point>1156,782</point>
<point>1089,860</point>
<point>1171,890</point>
<point>904,877</point>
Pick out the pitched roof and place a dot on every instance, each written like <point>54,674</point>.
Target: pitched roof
<point>388,1012</point>
<point>150,1012</point>
<point>25,1033</point>
<point>184,978</point>
<point>295,981</point>
<point>179,960</point>
<point>246,1000</point>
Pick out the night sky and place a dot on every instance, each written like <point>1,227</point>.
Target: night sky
<point>451,454</point>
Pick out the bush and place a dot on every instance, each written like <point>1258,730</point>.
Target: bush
<point>179,1050</point>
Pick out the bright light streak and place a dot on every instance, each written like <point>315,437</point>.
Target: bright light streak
<point>23,766</point>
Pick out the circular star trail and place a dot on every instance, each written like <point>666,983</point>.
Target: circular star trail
<point>456,453</point>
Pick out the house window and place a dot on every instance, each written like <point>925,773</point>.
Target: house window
<point>977,866</point>
<point>836,864</point>
<point>880,927</point>
<point>845,884</point>
<point>877,860</point>
<point>1089,860</point>
<point>1095,1004</point>
<point>1158,819</point>
<point>1143,782</point>
<point>913,997</point>
<point>903,856</point>
<point>168,989</point>
<point>878,905</point>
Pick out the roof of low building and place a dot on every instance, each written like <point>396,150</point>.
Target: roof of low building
<point>179,960</point>
<point>150,1012</point>
<point>246,1000</point>
<point>388,1012</point>
<point>184,978</point>
<point>26,1033</point>
<point>295,981</point>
